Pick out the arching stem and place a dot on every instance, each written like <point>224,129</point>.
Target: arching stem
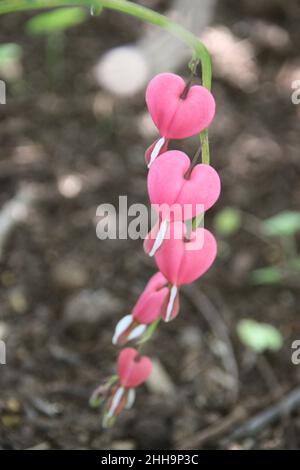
<point>200,53</point>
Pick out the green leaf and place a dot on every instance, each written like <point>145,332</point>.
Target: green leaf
<point>269,275</point>
<point>10,52</point>
<point>284,224</point>
<point>227,221</point>
<point>259,337</point>
<point>56,20</point>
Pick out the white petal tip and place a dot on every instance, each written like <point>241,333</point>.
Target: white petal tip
<point>121,327</point>
<point>130,398</point>
<point>136,332</point>
<point>115,402</point>
<point>159,237</point>
<point>156,149</point>
<point>172,298</point>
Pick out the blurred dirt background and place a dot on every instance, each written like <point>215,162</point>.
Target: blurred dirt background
<point>67,146</point>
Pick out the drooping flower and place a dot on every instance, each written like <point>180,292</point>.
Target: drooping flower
<point>176,195</point>
<point>149,307</point>
<point>179,191</point>
<point>168,184</point>
<point>182,260</point>
<point>176,111</point>
<point>132,371</point>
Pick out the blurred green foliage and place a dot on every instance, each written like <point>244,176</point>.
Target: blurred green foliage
<point>259,337</point>
<point>10,52</point>
<point>268,275</point>
<point>284,227</point>
<point>283,224</point>
<point>56,20</point>
<point>227,221</point>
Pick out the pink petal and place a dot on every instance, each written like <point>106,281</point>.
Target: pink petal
<point>156,282</point>
<point>202,188</point>
<point>196,262</point>
<point>131,371</point>
<point>125,360</point>
<point>169,257</point>
<point>174,196</point>
<point>182,262</point>
<point>178,118</point>
<point>149,308</point>
<point>149,305</point>
<point>165,179</point>
<point>162,98</point>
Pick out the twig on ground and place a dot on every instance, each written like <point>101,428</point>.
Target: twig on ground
<point>269,376</point>
<point>215,321</point>
<point>212,432</point>
<point>272,414</point>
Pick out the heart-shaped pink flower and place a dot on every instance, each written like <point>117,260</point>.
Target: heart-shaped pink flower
<point>175,116</point>
<point>148,308</point>
<point>182,260</point>
<point>132,370</point>
<point>176,197</point>
<point>154,301</point>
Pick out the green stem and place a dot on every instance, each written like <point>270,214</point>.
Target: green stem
<point>148,333</point>
<point>200,53</point>
<point>205,147</point>
<point>130,8</point>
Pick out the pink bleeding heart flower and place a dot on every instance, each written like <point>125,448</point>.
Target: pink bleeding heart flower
<point>132,371</point>
<point>178,115</point>
<point>149,307</point>
<point>157,148</point>
<point>174,116</point>
<point>168,185</point>
<point>183,260</point>
<point>178,197</point>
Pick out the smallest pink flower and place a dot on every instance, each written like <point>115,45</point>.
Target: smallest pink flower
<point>132,370</point>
